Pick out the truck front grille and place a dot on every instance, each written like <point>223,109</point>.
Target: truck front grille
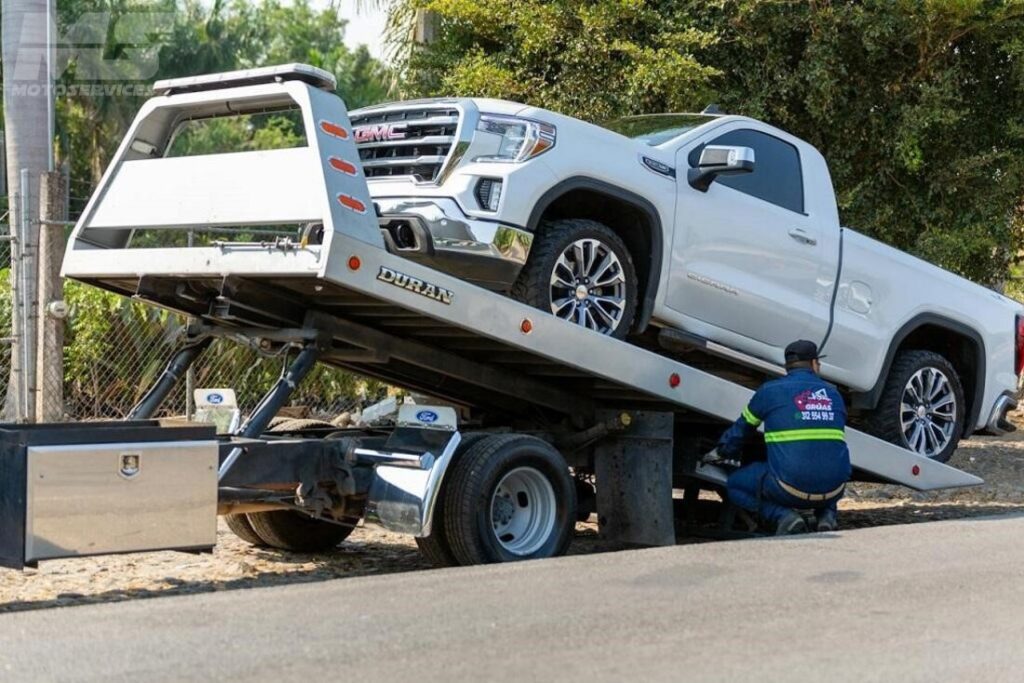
<point>411,141</point>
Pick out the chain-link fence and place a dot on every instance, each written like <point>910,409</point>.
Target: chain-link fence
<point>115,348</point>
<point>6,308</point>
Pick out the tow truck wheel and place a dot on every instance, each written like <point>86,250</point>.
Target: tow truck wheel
<point>581,271</point>
<point>298,425</point>
<point>291,530</point>
<point>277,421</point>
<point>435,547</point>
<point>239,525</point>
<point>509,497</point>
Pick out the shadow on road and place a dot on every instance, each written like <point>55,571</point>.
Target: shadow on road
<point>227,569</point>
<point>911,513</point>
<point>235,565</point>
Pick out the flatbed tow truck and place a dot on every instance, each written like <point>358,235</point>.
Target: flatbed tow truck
<point>531,433</point>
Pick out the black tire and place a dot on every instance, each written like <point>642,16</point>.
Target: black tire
<point>277,421</point>
<point>435,547</point>
<point>472,482</point>
<point>533,285</point>
<point>240,526</point>
<point>298,425</point>
<point>885,421</point>
<point>291,530</point>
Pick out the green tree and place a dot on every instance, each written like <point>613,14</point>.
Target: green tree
<point>115,346</point>
<point>590,58</point>
<point>918,105</point>
<point>198,38</point>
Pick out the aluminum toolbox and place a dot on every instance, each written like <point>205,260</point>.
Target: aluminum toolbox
<point>68,490</point>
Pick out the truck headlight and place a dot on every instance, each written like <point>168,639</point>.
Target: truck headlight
<point>515,139</point>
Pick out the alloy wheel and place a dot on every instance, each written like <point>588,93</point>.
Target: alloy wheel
<point>588,286</point>
<point>928,412</point>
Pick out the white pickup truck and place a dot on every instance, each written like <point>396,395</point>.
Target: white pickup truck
<point>701,233</point>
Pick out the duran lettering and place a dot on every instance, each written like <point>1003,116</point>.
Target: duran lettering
<point>393,277</point>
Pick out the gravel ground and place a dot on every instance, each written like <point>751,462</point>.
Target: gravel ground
<point>234,564</point>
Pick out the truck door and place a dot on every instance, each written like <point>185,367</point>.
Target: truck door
<point>746,254</point>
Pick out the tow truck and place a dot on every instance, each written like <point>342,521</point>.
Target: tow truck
<point>538,421</point>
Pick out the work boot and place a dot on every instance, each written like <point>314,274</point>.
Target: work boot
<point>827,520</point>
<point>791,523</point>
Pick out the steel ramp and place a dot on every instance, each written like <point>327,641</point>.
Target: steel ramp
<point>414,326</point>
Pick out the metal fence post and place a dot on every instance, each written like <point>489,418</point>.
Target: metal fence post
<point>190,374</point>
<point>49,395</point>
<point>26,299</point>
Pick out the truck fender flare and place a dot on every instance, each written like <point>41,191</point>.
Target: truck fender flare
<point>869,399</point>
<point>643,205</point>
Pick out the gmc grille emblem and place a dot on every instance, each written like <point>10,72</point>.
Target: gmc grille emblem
<point>380,132</point>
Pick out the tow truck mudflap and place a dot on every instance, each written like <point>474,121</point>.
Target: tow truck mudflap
<point>407,474</point>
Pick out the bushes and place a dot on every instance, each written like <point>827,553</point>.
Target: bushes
<point>116,347</point>
<point>918,105</point>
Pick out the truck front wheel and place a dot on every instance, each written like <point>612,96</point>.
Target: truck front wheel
<point>581,271</point>
<point>509,497</point>
<point>922,406</point>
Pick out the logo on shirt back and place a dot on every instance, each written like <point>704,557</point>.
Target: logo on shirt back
<point>814,405</point>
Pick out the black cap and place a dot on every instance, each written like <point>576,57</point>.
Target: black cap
<point>802,350</point>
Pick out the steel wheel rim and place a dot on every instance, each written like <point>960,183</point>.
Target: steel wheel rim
<point>588,286</point>
<point>928,412</point>
<point>523,511</point>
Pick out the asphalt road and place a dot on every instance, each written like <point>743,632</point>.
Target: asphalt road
<point>928,602</point>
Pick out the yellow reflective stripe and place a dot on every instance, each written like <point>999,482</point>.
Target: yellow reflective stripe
<point>788,435</point>
<point>752,420</point>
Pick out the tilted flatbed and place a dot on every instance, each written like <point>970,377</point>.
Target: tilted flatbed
<point>337,296</point>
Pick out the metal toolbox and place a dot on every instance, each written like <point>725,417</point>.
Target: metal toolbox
<point>69,490</point>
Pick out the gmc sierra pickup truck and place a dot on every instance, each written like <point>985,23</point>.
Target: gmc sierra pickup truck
<point>698,233</point>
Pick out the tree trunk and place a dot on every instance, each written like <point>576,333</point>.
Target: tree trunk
<point>426,25</point>
<point>26,86</point>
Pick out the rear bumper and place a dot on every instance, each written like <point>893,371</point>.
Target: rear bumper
<point>434,231</point>
<point>997,422</point>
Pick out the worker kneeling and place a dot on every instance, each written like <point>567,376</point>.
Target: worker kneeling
<point>808,462</point>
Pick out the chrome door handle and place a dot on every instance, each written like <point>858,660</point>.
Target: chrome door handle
<point>801,236</point>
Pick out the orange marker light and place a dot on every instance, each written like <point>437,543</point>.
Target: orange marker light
<point>354,263</point>
<point>674,379</point>
<point>342,165</point>
<point>352,203</point>
<point>526,326</point>
<point>334,129</point>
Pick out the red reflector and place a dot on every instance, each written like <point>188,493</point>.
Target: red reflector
<point>674,379</point>
<point>334,129</point>
<point>1019,360</point>
<point>342,165</point>
<point>354,263</point>
<point>526,326</point>
<point>352,203</point>
<point>915,470</point>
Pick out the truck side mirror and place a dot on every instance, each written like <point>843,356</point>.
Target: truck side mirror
<point>716,160</point>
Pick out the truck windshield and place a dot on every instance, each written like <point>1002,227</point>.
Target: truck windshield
<point>654,129</point>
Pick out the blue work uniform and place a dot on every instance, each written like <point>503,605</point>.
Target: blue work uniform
<point>808,462</point>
